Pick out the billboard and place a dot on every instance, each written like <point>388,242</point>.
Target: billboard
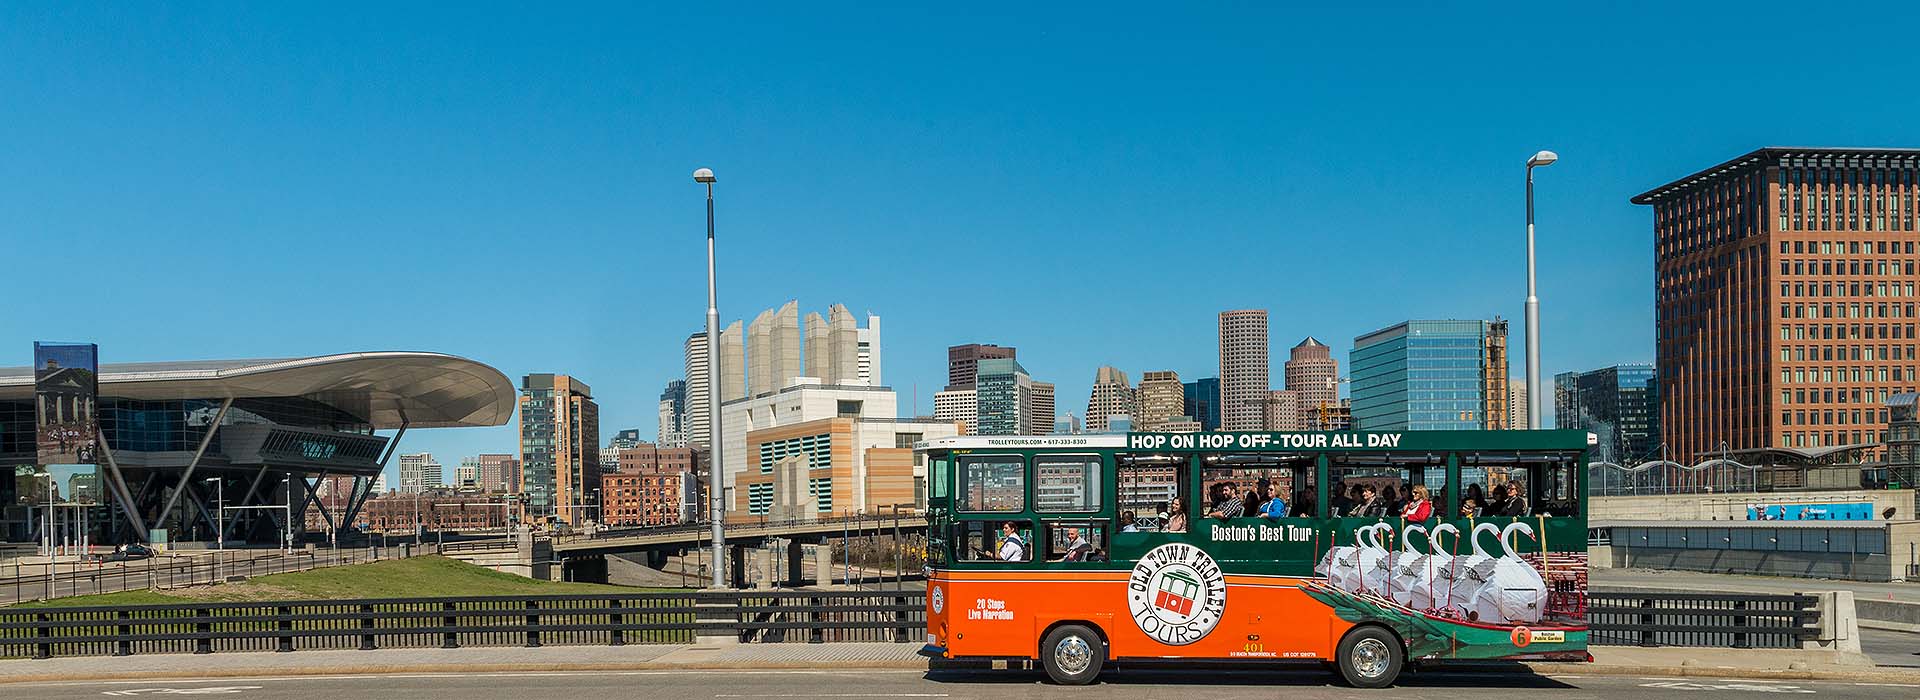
<point>65,390</point>
<point>66,427</point>
<point>58,484</point>
<point>1811,511</point>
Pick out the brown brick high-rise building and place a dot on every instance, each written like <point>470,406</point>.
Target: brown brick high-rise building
<point>963,363</point>
<point>1784,292</point>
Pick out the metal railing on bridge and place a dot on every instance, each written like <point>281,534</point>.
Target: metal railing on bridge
<point>471,546</point>
<point>855,523</point>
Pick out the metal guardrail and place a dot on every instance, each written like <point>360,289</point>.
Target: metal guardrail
<point>618,619</point>
<point>477,546</point>
<point>1739,621</point>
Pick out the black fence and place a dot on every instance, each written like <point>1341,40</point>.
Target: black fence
<point>1701,620</point>
<point>1616,619</point>
<point>638,618</point>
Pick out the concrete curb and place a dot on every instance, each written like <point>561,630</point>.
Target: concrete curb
<point>1869,674</point>
<point>1873,674</point>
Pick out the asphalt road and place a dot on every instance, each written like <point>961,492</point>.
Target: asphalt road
<point>919,685</point>
<point>1889,648</point>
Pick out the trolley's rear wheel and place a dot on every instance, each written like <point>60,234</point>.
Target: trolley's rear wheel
<point>1072,655</point>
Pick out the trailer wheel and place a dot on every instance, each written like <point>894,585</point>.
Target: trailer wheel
<point>1370,657</point>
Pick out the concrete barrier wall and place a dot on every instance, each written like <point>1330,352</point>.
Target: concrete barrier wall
<point>1893,611</point>
<point>1858,567</point>
<point>1734,506</point>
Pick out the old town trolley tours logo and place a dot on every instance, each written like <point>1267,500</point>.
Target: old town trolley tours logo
<point>1176,594</point>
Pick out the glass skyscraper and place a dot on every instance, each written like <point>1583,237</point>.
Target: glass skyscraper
<point>1000,382</point>
<point>1203,402</point>
<point>1620,405</point>
<point>1431,375</point>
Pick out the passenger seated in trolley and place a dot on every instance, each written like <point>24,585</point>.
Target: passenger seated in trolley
<point>1077,547</point>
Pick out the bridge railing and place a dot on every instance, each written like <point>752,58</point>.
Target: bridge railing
<point>754,524</point>
<point>478,546</point>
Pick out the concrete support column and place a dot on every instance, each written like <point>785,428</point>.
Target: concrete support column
<point>822,564</point>
<point>796,557</point>
<point>1839,624</point>
<point>769,569</point>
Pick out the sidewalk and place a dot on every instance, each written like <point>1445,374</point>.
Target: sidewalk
<point>1608,661</point>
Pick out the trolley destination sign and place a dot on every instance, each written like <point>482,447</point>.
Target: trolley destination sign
<point>1261,441</point>
<point>1435,441</point>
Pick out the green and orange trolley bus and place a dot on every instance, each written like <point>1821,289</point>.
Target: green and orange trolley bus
<point>1366,551</point>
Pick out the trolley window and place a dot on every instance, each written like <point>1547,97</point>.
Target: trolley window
<point>1066,483</point>
<point>993,484</point>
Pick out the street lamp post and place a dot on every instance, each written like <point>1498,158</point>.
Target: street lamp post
<point>47,529</point>
<point>219,512</point>
<point>1539,160</point>
<point>714,506</point>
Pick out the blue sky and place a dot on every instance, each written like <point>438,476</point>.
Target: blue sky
<point>1090,183</point>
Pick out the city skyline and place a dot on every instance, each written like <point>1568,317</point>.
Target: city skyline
<point>469,161</point>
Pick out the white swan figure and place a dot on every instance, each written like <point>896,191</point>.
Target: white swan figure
<point>1430,590</point>
<point>1515,593</point>
<point>1471,573</point>
<point>1340,564</point>
<point>1409,566</point>
<point>1375,575</point>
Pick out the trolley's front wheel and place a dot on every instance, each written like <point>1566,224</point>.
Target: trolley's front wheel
<point>1370,657</point>
<point>1072,655</point>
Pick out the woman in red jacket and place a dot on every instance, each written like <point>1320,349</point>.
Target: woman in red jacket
<point>1420,508</point>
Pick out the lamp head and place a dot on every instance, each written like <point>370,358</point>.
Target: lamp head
<point>1542,159</point>
<point>704,175</point>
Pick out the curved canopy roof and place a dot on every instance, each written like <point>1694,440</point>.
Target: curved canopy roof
<point>387,389</point>
<point>1803,453</point>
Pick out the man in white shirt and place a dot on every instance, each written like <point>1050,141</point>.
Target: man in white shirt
<point>1012,548</point>
<point>1077,546</point>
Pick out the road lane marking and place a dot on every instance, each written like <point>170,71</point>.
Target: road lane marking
<point>837,695</point>
<point>1734,686</point>
<point>211,690</point>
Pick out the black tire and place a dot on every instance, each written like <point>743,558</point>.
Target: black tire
<point>1073,655</point>
<point>1370,657</point>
